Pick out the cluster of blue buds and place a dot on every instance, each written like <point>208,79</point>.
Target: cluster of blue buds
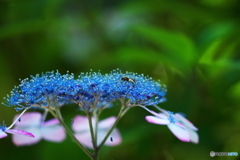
<point>88,90</point>
<point>40,91</point>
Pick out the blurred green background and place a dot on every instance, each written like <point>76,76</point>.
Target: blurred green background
<point>191,46</point>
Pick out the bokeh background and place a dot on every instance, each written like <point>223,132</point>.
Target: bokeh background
<point>191,46</point>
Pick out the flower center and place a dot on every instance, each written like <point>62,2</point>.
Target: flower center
<point>171,117</point>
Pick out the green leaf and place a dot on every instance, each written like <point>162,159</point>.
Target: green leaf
<point>178,48</point>
<point>219,58</point>
<point>208,55</point>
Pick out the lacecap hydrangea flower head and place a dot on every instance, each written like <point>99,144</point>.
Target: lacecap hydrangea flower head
<point>94,93</point>
<point>52,89</point>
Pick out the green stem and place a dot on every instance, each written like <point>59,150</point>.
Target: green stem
<point>59,113</point>
<point>44,115</point>
<point>157,107</point>
<point>96,125</point>
<point>95,155</point>
<point>57,116</point>
<point>92,131</point>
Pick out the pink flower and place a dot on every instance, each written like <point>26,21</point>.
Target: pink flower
<point>82,131</point>
<point>183,129</point>
<point>32,121</point>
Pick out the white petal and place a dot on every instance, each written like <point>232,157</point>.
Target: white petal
<point>29,119</point>
<point>106,123</point>
<point>53,133</point>
<point>20,140</point>
<point>2,134</point>
<point>180,132</point>
<point>157,120</point>
<point>193,136</point>
<point>85,139</point>
<point>185,122</point>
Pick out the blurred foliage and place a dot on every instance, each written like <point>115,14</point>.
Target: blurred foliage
<point>191,46</point>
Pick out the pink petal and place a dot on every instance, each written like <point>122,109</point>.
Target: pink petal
<point>156,120</point>
<point>107,123</point>
<point>53,133</point>
<point>186,122</point>
<point>2,134</point>
<point>50,122</point>
<point>85,139</point>
<point>180,132</point>
<point>20,140</point>
<point>180,125</point>
<point>29,119</point>
<point>80,123</point>
<point>20,132</point>
<point>113,140</point>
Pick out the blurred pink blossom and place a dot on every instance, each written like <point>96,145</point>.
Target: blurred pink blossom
<point>32,121</point>
<point>82,131</point>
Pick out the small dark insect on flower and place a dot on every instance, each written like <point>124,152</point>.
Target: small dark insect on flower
<point>111,139</point>
<point>127,79</point>
<point>19,119</point>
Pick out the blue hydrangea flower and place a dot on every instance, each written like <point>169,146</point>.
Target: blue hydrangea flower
<point>88,90</point>
<point>40,91</point>
<point>140,90</point>
<point>93,88</point>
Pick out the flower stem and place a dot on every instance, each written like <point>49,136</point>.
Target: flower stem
<point>96,153</point>
<point>145,108</point>
<point>157,107</point>
<point>57,116</point>
<point>18,118</point>
<point>44,115</point>
<point>93,136</point>
<point>96,125</point>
